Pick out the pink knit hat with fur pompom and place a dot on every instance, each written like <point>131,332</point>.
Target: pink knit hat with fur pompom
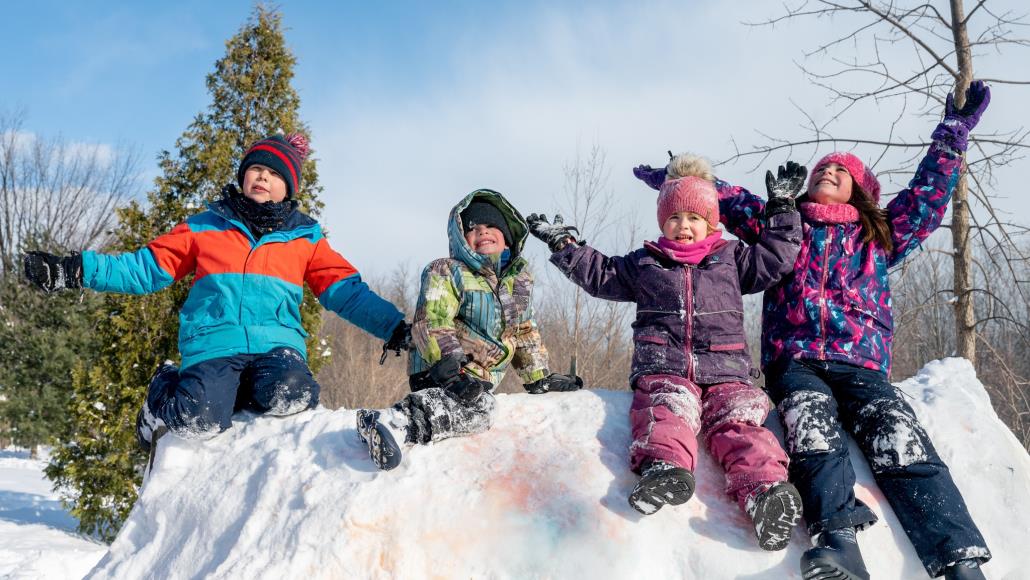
<point>865,178</point>
<point>688,187</point>
<point>693,194</point>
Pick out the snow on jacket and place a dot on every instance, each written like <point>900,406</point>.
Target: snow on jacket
<point>246,293</point>
<point>836,305</point>
<point>470,305</point>
<point>690,319</point>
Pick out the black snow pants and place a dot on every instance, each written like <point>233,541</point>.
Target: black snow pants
<point>818,401</point>
<point>198,401</point>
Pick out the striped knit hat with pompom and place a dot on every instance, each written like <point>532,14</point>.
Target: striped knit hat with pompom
<point>283,154</point>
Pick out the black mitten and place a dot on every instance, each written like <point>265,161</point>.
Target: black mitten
<point>51,273</point>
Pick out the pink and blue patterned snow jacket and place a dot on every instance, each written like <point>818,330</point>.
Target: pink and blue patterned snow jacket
<point>836,305</point>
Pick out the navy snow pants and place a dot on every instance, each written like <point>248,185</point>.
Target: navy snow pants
<point>198,401</point>
<point>817,401</point>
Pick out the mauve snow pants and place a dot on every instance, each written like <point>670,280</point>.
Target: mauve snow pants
<point>669,412</point>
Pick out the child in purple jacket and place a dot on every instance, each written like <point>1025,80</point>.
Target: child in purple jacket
<point>691,370</point>
<point>826,350</point>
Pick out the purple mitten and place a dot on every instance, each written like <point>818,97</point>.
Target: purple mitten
<point>954,129</point>
<point>654,178</point>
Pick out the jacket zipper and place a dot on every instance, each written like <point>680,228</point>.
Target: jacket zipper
<point>822,294</point>
<point>688,308</point>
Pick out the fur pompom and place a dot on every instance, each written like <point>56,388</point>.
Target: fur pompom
<point>300,143</point>
<point>689,165</point>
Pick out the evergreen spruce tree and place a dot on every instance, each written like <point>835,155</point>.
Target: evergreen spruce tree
<point>251,98</point>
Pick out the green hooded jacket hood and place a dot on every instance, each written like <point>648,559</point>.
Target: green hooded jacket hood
<point>460,249</point>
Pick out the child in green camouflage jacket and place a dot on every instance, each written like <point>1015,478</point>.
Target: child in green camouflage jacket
<point>474,319</point>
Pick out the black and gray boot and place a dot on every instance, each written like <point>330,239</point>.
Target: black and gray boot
<point>661,483</point>
<point>775,510</point>
<point>964,570</point>
<point>835,557</point>
<point>382,445</point>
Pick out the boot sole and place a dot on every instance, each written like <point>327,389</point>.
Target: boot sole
<point>382,447</point>
<point>779,515</point>
<point>673,489</point>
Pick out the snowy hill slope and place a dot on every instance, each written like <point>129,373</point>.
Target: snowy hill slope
<point>542,495</point>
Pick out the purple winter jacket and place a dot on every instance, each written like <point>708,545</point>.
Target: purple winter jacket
<point>690,319</point>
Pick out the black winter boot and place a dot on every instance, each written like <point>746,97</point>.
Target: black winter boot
<point>382,445</point>
<point>661,483</point>
<point>835,557</point>
<point>775,511</point>
<point>964,570</point>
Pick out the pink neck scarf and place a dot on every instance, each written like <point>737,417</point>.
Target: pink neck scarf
<point>689,253</point>
<point>838,213</point>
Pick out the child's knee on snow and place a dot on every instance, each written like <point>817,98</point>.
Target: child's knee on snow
<point>291,392</point>
<point>891,437</point>
<point>810,422</point>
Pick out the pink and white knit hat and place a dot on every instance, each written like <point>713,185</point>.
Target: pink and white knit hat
<point>865,178</point>
<point>693,194</point>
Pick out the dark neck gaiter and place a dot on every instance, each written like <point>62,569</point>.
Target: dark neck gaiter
<point>260,218</point>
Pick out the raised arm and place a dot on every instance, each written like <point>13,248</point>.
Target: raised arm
<point>919,209</point>
<point>599,275</point>
<point>763,264</point>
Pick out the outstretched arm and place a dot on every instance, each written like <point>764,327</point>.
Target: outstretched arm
<point>338,287</point>
<point>167,259</point>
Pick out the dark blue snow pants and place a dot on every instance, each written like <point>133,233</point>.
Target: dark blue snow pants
<point>817,401</point>
<point>198,401</point>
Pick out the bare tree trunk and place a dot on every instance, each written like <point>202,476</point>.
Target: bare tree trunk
<point>965,317</point>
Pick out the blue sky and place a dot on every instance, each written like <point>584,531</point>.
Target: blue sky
<point>413,104</point>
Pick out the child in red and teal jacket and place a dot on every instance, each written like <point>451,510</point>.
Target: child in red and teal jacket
<point>826,350</point>
<point>240,333</point>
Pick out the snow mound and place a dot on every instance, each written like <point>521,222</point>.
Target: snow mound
<point>541,495</point>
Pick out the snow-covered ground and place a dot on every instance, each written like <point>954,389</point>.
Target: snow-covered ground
<point>542,495</point>
<point>37,538</point>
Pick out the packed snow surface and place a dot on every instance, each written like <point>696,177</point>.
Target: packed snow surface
<point>541,495</point>
<point>37,538</point>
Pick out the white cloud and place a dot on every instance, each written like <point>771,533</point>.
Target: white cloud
<point>637,81</point>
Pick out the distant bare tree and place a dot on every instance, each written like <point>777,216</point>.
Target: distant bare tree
<point>353,377</point>
<point>55,195</point>
<point>942,40</point>
<point>591,334</point>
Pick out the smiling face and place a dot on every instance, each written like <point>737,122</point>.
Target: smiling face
<point>261,184</point>
<point>831,184</point>
<point>685,227</point>
<point>484,239</point>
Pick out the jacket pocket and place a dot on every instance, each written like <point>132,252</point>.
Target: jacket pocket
<point>203,316</point>
<point>651,339</point>
<point>288,314</point>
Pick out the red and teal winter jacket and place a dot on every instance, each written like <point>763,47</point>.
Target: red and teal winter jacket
<point>836,305</point>
<point>246,293</point>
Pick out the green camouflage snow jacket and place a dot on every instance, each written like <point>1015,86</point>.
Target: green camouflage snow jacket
<point>470,306</point>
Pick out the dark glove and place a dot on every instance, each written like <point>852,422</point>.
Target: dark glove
<point>449,374</point>
<point>954,129</point>
<point>554,382</point>
<point>467,388</point>
<point>399,341</point>
<point>52,273</point>
<point>555,235</point>
<point>784,188</point>
<point>654,178</point>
